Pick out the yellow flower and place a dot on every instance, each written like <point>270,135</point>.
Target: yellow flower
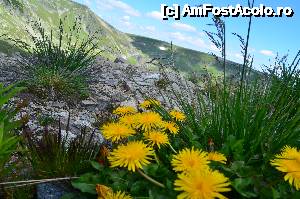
<point>206,184</point>
<point>190,160</point>
<point>177,115</point>
<point>289,162</point>
<point>129,120</point>
<point>171,127</point>
<point>117,195</point>
<point>103,191</point>
<point>216,156</point>
<point>148,103</point>
<point>116,131</point>
<point>148,121</point>
<point>133,155</point>
<point>124,110</point>
<point>157,138</point>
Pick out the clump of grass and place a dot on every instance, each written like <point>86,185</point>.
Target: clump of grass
<point>54,84</point>
<point>56,62</point>
<point>15,3</point>
<point>57,154</point>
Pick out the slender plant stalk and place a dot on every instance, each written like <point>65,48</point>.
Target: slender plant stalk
<point>25,182</point>
<point>171,147</point>
<point>150,179</point>
<point>246,49</point>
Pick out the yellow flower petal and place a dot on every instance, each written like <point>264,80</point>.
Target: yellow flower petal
<point>289,162</point>
<point>148,121</point>
<point>157,138</point>
<point>216,156</point>
<point>171,127</point>
<point>204,184</point>
<point>116,131</point>
<point>148,103</point>
<point>190,160</point>
<point>133,155</point>
<point>177,115</point>
<point>124,110</point>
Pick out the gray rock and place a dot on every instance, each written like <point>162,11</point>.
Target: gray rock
<point>120,60</point>
<point>111,84</point>
<point>50,191</point>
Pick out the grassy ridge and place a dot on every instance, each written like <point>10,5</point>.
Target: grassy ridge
<point>186,60</point>
<point>15,22</point>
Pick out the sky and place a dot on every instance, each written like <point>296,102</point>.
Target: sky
<point>269,36</point>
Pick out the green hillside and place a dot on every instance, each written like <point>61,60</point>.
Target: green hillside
<point>17,15</point>
<point>185,59</point>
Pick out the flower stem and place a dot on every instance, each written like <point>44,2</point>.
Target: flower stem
<point>156,158</point>
<point>172,148</point>
<point>150,179</point>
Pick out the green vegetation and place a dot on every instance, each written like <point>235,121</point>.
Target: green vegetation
<point>8,142</point>
<point>49,13</point>
<point>132,61</point>
<point>58,155</point>
<point>138,49</point>
<point>250,129</point>
<point>57,70</point>
<point>8,48</point>
<point>186,60</point>
<point>236,138</point>
<point>15,3</point>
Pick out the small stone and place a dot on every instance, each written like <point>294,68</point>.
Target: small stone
<point>88,103</point>
<point>120,60</point>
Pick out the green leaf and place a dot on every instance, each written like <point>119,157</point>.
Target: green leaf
<point>275,193</point>
<point>84,187</point>
<point>97,166</point>
<point>244,187</point>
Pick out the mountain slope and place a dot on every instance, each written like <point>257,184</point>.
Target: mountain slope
<point>185,59</point>
<point>15,17</point>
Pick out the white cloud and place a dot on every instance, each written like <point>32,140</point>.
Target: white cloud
<point>267,52</point>
<point>200,43</point>
<point>184,27</point>
<point>150,28</point>
<point>197,42</point>
<point>202,34</point>
<point>155,15</point>
<point>128,24</point>
<point>214,48</point>
<point>126,18</point>
<point>251,50</point>
<point>239,56</point>
<point>116,4</point>
<point>181,37</point>
<point>87,3</point>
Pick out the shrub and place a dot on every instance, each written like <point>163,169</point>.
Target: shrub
<point>57,61</point>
